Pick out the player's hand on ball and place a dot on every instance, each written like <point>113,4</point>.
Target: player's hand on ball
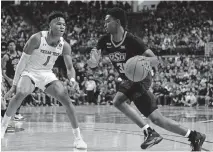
<point>146,62</point>
<point>137,68</point>
<point>10,92</point>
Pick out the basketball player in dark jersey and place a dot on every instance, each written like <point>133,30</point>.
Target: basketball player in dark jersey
<point>9,62</point>
<point>120,45</point>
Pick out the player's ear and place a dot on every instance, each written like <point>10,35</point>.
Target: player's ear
<point>118,21</point>
<point>50,24</point>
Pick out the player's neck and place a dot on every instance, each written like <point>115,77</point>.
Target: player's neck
<point>52,39</point>
<point>118,36</point>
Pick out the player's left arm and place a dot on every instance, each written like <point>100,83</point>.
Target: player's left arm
<point>151,57</point>
<point>140,48</point>
<point>68,61</point>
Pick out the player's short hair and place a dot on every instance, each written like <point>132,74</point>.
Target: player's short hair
<point>54,15</point>
<point>118,13</point>
<point>10,41</point>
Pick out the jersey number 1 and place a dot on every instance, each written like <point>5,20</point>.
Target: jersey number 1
<point>48,59</point>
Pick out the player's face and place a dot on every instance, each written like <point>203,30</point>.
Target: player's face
<point>110,24</point>
<point>12,46</point>
<point>58,26</point>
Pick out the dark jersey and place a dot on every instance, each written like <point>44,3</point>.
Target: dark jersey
<point>130,46</point>
<point>11,65</point>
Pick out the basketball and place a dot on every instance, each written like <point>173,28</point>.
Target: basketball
<point>137,68</point>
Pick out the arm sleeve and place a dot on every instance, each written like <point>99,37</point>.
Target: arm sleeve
<point>20,67</point>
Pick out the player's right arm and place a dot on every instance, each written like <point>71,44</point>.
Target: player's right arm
<point>4,63</point>
<point>32,44</point>
<point>146,54</point>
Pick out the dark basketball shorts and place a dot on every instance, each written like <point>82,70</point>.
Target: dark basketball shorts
<point>139,93</point>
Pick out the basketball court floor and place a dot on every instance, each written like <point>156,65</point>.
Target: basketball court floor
<point>104,128</point>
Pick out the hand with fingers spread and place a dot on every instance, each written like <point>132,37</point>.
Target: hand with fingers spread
<point>95,56</point>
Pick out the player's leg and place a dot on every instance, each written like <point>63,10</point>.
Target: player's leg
<point>157,118</point>
<point>58,91</point>
<point>24,87</point>
<point>10,127</point>
<point>146,106</point>
<point>17,115</point>
<point>127,90</point>
<point>3,106</point>
<point>3,101</point>
<point>119,102</point>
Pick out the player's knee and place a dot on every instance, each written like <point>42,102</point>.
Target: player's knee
<point>119,99</point>
<point>63,92</point>
<point>117,102</point>
<point>156,117</point>
<point>157,120</point>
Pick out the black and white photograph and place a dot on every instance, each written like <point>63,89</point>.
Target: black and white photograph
<point>108,76</point>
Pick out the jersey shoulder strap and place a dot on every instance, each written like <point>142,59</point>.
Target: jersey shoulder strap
<point>44,33</point>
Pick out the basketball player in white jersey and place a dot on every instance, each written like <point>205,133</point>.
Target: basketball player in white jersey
<point>35,70</point>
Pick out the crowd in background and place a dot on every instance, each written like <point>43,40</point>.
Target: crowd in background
<point>176,26</point>
<point>180,29</point>
<point>184,80</point>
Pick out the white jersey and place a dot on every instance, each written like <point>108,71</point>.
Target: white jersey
<point>43,58</point>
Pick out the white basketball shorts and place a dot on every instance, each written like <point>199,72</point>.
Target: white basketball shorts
<point>40,78</point>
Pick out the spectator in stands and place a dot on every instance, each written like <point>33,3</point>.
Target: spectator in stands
<point>90,86</point>
<point>190,99</point>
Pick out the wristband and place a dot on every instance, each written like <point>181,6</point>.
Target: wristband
<point>72,79</point>
<point>14,83</point>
